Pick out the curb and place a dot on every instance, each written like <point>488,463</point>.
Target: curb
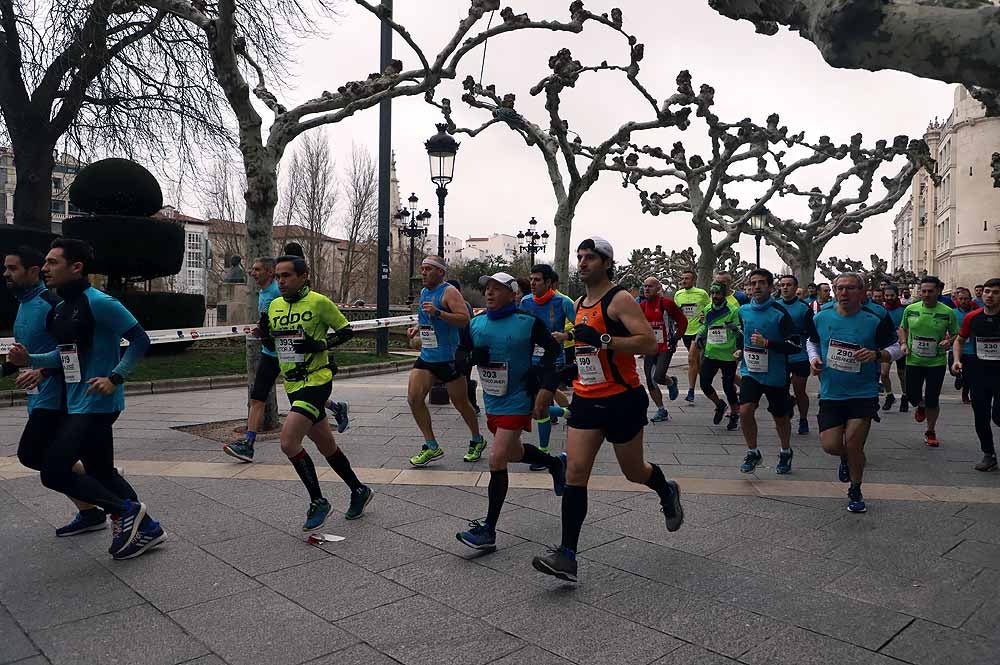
<point>18,398</point>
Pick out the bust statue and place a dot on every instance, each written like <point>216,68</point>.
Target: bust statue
<point>234,273</point>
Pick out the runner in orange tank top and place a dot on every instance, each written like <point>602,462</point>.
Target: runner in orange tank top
<point>609,401</point>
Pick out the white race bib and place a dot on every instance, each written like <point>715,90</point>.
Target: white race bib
<point>690,310</point>
<point>493,379</point>
<point>756,360</point>
<point>588,362</point>
<point>539,351</point>
<point>840,356</point>
<point>925,347</point>
<point>31,391</point>
<point>658,334</point>
<point>428,338</point>
<point>284,346</point>
<point>70,363</point>
<point>718,335</point>
<point>988,348</point>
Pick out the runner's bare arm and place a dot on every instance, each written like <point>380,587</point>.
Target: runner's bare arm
<point>641,339</point>
<point>458,317</point>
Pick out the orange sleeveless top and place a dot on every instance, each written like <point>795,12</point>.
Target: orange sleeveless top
<point>603,372</point>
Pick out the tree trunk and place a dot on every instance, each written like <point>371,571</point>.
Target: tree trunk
<point>707,258</point>
<point>802,261</point>
<point>261,199</point>
<point>270,420</point>
<point>563,221</point>
<point>33,164</point>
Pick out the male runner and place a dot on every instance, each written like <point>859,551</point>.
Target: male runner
<point>720,338</point>
<point>736,297</point>
<point>88,327</point>
<point>798,363</point>
<point>608,402</point>
<point>767,333</point>
<point>462,362</point>
<point>555,310</point>
<point>895,308</point>
<point>502,342</point>
<point>822,297</point>
<point>925,335</point>
<point>441,315</point>
<point>296,328</point>
<point>668,323</point>
<point>979,300</point>
<point>963,305</point>
<point>982,369</point>
<point>846,345</point>
<point>569,348</point>
<point>692,302</point>
<point>812,291</point>
<point>44,388</point>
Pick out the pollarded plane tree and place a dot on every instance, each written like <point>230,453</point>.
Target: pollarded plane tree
<point>669,268</point>
<point>573,165</point>
<point>873,276</point>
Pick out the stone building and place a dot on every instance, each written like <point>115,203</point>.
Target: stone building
<point>63,175</point>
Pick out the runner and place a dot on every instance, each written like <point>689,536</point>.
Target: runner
<point>979,300</point>
<point>798,363</point>
<point>516,381</point>
<point>736,297</point>
<point>846,344</point>
<point>569,348</point>
<point>462,362</point>
<point>296,328</point>
<point>88,326</point>
<point>895,308</point>
<point>822,297</point>
<point>692,302</point>
<point>668,323</point>
<point>925,335</point>
<point>767,331</point>
<point>721,338</point>
<point>608,402</point>
<point>441,315</point>
<point>982,368</point>
<point>812,292</point>
<point>963,305</point>
<point>555,310</point>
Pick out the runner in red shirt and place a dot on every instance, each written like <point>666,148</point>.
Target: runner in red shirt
<point>669,324</point>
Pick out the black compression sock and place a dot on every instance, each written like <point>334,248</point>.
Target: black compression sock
<point>574,511</point>
<point>533,455</point>
<point>497,492</point>
<point>303,466</point>
<point>658,483</point>
<point>339,462</point>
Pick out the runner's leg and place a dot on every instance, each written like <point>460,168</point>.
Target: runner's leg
<point>855,435</point>
<point>420,382</point>
<point>292,433</point>
<point>459,396</point>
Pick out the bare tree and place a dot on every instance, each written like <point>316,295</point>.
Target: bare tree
<point>669,268</point>
<point>311,200</point>
<point>873,276</point>
<point>360,220</point>
<point>222,204</point>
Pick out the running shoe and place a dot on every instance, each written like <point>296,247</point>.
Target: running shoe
<point>720,413</point>
<point>876,416</point>
<point>149,536</point>
<point>559,562</point>
<point>734,422</point>
<point>904,404</point>
<point>480,536</point>
<point>93,519</point>
<point>803,426</point>
<point>784,464</point>
<point>559,475</point>
<point>241,450</point>
<point>920,415</point>
<point>930,438</point>
<point>475,453</point>
<point>360,498</point>
<point>319,510</point>
<point>426,456</point>
<point>855,501</point>
<point>339,411</point>
<point>690,395</point>
<point>989,463</point>
<point>540,467</point>
<point>124,527</point>
<point>844,471</point>
<point>672,390</point>
<point>672,509</point>
<point>890,399</point>
<point>751,461</point>
<point>660,416</point>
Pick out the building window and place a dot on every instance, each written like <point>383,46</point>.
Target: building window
<point>195,256</point>
<point>57,183</point>
<point>58,207</point>
<point>194,279</point>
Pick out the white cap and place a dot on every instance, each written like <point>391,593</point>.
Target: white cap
<point>602,247</point>
<point>501,278</point>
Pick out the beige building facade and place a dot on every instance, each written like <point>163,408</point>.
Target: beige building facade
<point>63,175</point>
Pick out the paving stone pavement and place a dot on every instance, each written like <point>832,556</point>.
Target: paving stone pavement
<point>767,570</point>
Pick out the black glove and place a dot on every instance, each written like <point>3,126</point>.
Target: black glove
<point>584,333</point>
<point>333,366</point>
<point>338,337</point>
<point>480,355</point>
<point>309,345</point>
<point>264,332</point>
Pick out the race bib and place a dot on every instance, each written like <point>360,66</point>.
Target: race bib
<point>539,351</point>
<point>988,348</point>
<point>493,379</point>
<point>70,363</point>
<point>284,346</point>
<point>840,356</point>
<point>588,362</point>
<point>718,335</point>
<point>690,310</point>
<point>925,347</point>
<point>756,360</point>
<point>31,391</point>
<point>658,334</point>
<point>428,338</point>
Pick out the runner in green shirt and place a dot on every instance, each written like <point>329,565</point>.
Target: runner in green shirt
<point>692,302</point>
<point>925,334</point>
<point>720,337</point>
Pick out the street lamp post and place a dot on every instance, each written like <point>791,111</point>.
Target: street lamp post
<point>531,241</point>
<point>416,228</point>
<point>441,150</point>
<point>758,220</point>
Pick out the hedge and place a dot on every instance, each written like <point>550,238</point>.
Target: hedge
<point>131,246</point>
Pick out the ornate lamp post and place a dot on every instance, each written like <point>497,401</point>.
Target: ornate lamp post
<point>758,220</point>
<point>441,150</point>
<point>531,241</point>
<point>415,228</point>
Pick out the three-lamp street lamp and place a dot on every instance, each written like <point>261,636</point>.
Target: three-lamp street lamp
<point>531,241</point>
<point>415,228</point>
<point>441,150</point>
<point>758,222</point>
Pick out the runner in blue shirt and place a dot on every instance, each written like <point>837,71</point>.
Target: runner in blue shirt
<point>846,345</point>
<point>895,308</point>
<point>798,363</point>
<point>963,306</point>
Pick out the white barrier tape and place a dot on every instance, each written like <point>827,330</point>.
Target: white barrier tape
<point>242,330</point>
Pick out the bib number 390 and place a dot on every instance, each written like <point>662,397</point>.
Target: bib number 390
<point>70,363</point>
<point>588,362</point>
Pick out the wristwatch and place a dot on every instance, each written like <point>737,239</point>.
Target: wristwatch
<point>605,340</point>
<point>116,378</point>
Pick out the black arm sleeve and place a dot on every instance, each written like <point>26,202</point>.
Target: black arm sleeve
<point>885,334</point>
<point>811,332</point>
<point>264,330</point>
<point>548,377</point>
<point>786,328</point>
<point>465,340</point>
<point>338,337</point>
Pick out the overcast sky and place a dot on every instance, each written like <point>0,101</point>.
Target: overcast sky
<point>500,183</point>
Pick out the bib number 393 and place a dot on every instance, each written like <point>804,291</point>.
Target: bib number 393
<point>284,345</point>
<point>588,362</point>
<point>493,378</point>
<point>756,360</point>
<point>70,363</point>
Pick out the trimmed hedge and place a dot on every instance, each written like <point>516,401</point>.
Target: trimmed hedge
<point>116,187</point>
<point>157,311</point>
<point>131,246</point>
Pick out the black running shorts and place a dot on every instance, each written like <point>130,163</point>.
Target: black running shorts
<point>621,417</point>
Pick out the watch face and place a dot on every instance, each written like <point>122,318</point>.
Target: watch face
<point>605,338</point>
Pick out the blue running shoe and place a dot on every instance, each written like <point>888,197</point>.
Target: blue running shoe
<point>803,426</point>
<point>672,390</point>
<point>751,461</point>
<point>241,450</point>
<point>480,536</point>
<point>149,536</point>
<point>844,472</point>
<point>855,501</point>
<point>559,476</point>
<point>690,395</point>
<point>661,416</point>
<point>319,510</point>
<point>94,519</point>
<point>784,461</point>
<point>124,527</point>
<point>339,411</point>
